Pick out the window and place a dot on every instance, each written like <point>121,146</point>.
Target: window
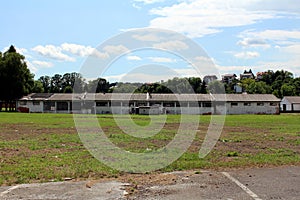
<point>273,104</point>
<point>247,104</point>
<point>169,104</point>
<point>194,104</point>
<point>115,103</point>
<point>23,103</point>
<point>234,104</point>
<point>207,104</point>
<point>183,104</point>
<point>125,104</point>
<point>260,104</point>
<point>36,103</point>
<point>101,104</point>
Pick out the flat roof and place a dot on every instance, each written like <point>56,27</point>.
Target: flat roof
<point>292,99</point>
<point>153,97</point>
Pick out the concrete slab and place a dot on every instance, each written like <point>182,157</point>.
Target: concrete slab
<point>272,183</point>
<point>244,184</point>
<point>65,191</point>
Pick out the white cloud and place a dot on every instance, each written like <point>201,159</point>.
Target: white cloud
<point>149,37</point>
<point>149,1</point>
<point>288,59</point>
<point>162,59</point>
<point>19,50</point>
<point>77,49</point>
<point>53,52</point>
<point>253,42</point>
<point>247,55</point>
<point>58,52</point>
<point>204,65</point>
<point>175,45</point>
<point>31,67</point>
<point>197,18</point>
<point>260,38</point>
<point>83,51</point>
<point>115,49</point>
<point>42,64</point>
<point>136,58</point>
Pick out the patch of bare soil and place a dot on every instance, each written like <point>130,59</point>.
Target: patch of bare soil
<point>25,130</point>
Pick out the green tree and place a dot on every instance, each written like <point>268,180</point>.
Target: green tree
<point>216,87</point>
<point>98,85</point>
<point>56,84</point>
<point>203,89</point>
<point>246,82</point>
<point>68,89</point>
<point>195,82</point>
<point>15,78</point>
<point>296,84</point>
<point>37,87</point>
<point>259,88</point>
<point>46,82</point>
<point>288,90</point>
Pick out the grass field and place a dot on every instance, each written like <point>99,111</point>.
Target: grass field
<point>46,147</point>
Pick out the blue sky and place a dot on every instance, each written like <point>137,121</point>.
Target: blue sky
<point>58,36</point>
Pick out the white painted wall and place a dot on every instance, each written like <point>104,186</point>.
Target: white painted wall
<point>31,106</point>
<point>287,103</point>
<point>297,107</point>
<point>252,109</point>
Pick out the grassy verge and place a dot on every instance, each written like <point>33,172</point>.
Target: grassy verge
<point>46,147</point>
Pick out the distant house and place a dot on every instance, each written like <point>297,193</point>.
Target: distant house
<point>247,74</point>
<point>33,102</point>
<point>126,103</point>
<point>228,78</point>
<point>209,78</point>
<point>290,104</point>
<point>238,88</point>
<point>259,75</point>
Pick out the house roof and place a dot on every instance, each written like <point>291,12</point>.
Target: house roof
<point>229,75</point>
<point>132,97</point>
<point>155,97</point>
<point>293,99</point>
<point>37,96</point>
<point>251,98</point>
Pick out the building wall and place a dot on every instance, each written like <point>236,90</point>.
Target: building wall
<point>36,106</point>
<point>253,108</point>
<point>284,101</point>
<point>296,107</point>
<point>231,108</point>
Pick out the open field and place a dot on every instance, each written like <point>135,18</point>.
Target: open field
<point>46,147</point>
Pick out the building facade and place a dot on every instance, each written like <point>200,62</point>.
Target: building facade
<point>123,103</point>
<point>290,104</point>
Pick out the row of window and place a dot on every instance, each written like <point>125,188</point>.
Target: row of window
<point>257,104</point>
<point>165,104</point>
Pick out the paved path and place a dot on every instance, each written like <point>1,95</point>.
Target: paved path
<point>249,184</point>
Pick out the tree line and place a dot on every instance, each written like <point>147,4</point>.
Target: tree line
<point>16,80</point>
<point>280,83</point>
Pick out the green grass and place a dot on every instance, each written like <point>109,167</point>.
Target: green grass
<point>46,147</point>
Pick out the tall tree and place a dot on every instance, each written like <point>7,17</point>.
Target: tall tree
<point>15,77</point>
<point>37,87</point>
<point>46,82</point>
<point>216,87</point>
<point>98,85</point>
<point>56,84</point>
<point>258,88</point>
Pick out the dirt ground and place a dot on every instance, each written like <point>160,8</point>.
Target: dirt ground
<point>254,141</point>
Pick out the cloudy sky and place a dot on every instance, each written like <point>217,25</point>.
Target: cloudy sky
<point>58,36</point>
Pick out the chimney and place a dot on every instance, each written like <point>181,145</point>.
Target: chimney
<point>148,96</point>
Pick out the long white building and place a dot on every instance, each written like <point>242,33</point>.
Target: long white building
<point>123,103</point>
